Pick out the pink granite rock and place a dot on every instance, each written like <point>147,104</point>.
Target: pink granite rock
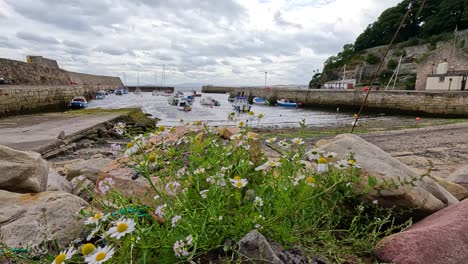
<point>439,238</point>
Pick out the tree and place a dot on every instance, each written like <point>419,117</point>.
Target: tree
<point>315,83</point>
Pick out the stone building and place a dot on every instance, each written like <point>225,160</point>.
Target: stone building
<point>444,69</point>
<point>42,61</point>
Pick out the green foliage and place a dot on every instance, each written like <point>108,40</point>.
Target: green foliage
<point>410,83</point>
<point>392,64</point>
<point>315,82</point>
<point>211,191</point>
<point>399,52</point>
<point>340,60</point>
<point>372,59</point>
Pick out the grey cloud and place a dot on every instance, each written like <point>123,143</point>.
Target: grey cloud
<point>266,60</point>
<point>280,21</point>
<point>73,44</point>
<point>36,38</point>
<point>115,51</point>
<point>225,62</point>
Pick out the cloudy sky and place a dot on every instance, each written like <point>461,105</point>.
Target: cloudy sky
<point>231,42</point>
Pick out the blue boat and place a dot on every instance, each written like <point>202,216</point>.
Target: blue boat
<point>287,103</point>
<point>241,104</point>
<point>260,101</point>
<point>78,103</point>
<point>125,91</point>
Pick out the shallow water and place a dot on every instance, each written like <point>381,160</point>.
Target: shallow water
<point>275,117</point>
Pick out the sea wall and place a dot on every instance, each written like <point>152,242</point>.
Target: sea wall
<point>22,73</point>
<point>434,103</point>
<point>23,99</point>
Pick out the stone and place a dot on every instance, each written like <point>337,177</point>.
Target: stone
<point>22,171</point>
<point>138,188</point>
<point>101,141</point>
<point>56,182</point>
<point>61,135</point>
<point>425,197</point>
<point>460,176</point>
<point>26,220</point>
<point>456,190</point>
<point>256,248</point>
<point>89,168</point>
<point>438,238</point>
<point>227,132</point>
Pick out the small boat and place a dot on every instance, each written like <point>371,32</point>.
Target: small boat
<point>78,102</point>
<point>260,101</point>
<point>231,99</point>
<point>241,104</point>
<point>183,105</point>
<point>179,94</point>
<point>167,93</point>
<point>125,91</point>
<point>100,95</point>
<point>209,101</point>
<point>119,92</point>
<point>137,91</point>
<point>173,100</point>
<point>195,94</point>
<point>190,99</point>
<point>287,103</point>
<point>156,93</point>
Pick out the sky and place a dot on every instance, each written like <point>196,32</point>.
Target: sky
<point>219,42</point>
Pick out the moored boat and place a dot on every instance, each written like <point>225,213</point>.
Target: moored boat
<point>183,105</point>
<point>100,95</point>
<point>286,103</point>
<point>173,100</point>
<point>195,94</point>
<point>260,101</point>
<point>156,93</point>
<point>209,101</point>
<point>78,102</point>
<point>241,104</point>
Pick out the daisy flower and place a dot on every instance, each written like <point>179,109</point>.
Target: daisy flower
<point>87,249</point>
<point>297,141</point>
<point>96,218</point>
<point>238,182</point>
<point>64,255</point>
<point>121,228</point>
<point>93,232</point>
<point>268,164</point>
<point>314,154</point>
<point>204,194</point>
<point>105,185</point>
<point>100,255</point>
<point>310,181</point>
<point>322,165</point>
<point>342,164</point>
<point>330,155</point>
<point>258,201</point>
<point>199,171</point>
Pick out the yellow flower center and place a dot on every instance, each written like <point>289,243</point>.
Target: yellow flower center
<point>237,178</point>
<point>129,145</point>
<point>251,113</point>
<point>142,163</point>
<point>152,158</point>
<point>241,123</point>
<point>97,216</point>
<point>310,180</point>
<point>87,249</point>
<point>162,128</point>
<point>351,162</point>
<point>261,116</point>
<point>322,160</point>
<point>122,227</point>
<point>60,258</point>
<point>239,184</point>
<point>172,129</point>
<point>100,256</point>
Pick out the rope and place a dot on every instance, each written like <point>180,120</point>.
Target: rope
<point>376,74</point>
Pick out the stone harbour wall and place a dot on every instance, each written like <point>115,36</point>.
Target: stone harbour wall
<point>436,103</point>
<point>22,99</point>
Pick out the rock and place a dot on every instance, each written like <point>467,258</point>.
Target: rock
<point>122,177</point>
<point>255,247</point>
<point>61,135</point>
<point>438,238</point>
<point>22,171</point>
<point>26,220</point>
<point>101,141</point>
<point>83,188</point>
<point>456,190</point>
<point>227,132</point>
<point>88,168</point>
<point>425,197</point>
<point>56,182</point>
<point>460,176</point>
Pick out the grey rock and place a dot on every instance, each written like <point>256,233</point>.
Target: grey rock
<point>57,182</point>
<point>61,135</point>
<point>22,171</point>
<point>28,220</point>
<point>88,168</point>
<point>101,141</point>
<point>256,249</point>
<point>460,176</point>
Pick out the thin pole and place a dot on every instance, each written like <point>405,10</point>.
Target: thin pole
<point>125,78</point>
<point>380,66</point>
<point>344,72</point>
<point>265,78</point>
<point>138,76</point>
<point>397,72</point>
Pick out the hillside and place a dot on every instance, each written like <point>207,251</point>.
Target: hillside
<point>435,24</point>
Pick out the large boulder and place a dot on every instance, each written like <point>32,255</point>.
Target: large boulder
<point>57,182</point>
<point>256,248</point>
<point>22,171</point>
<point>438,238</point>
<point>89,168</point>
<point>425,197</point>
<point>460,176</point>
<point>27,220</point>
<point>460,192</point>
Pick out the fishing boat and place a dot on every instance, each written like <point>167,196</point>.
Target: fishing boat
<point>100,95</point>
<point>190,99</point>
<point>209,101</point>
<point>195,94</point>
<point>167,93</point>
<point>286,103</point>
<point>183,105</point>
<point>179,94</point>
<point>173,100</point>
<point>260,101</point>
<point>241,104</point>
<point>78,102</point>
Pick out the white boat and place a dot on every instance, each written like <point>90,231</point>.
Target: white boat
<point>209,101</point>
<point>183,105</point>
<point>173,100</point>
<point>156,93</point>
<point>260,101</point>
<point>241,104</point>
<point>137,91</point>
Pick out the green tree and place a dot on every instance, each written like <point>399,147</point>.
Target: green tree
<point>315,83</point>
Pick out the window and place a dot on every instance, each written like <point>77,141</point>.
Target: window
<point>441,79</point>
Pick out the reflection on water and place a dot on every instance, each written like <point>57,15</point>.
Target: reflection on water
<point>275,117</point>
